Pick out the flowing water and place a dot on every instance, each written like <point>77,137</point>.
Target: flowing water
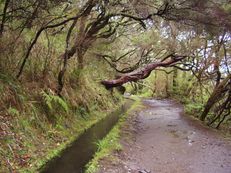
<point>74,158</point>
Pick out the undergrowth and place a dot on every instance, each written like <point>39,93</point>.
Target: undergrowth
<point>36,124</point>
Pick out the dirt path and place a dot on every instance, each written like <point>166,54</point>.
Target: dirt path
<point>165,141</point>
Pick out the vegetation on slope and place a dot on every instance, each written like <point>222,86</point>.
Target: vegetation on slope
<point>36,123</point>
<point>55,54</point>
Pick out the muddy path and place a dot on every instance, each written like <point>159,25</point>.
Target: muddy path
<point>165,141</point>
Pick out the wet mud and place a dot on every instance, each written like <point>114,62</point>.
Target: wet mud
<point>164,140</point>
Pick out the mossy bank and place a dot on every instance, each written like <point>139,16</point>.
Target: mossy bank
<point>36,124</point>
<point>111,142</point>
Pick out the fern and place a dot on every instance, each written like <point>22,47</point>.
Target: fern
<point>52,101</point>
<point>61,102</point>
<point>47,99</point>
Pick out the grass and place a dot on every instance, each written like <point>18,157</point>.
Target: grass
<point>38,125</point>
<point>80,127</point>
<point>112,141</point>
<point>35,124</point>
<point>49,146</point>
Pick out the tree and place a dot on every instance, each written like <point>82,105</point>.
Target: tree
<point>192,35</point>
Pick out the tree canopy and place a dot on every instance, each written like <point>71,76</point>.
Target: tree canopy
<point>133,37</point>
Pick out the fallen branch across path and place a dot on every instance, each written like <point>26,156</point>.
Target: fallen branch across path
<point>143,72</point>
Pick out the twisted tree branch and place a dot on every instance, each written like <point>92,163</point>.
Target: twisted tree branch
<point>141,73</point>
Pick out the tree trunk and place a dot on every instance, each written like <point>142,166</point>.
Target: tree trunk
<point>215,96</point>
<point>80,60</point>
<point>4,16</point>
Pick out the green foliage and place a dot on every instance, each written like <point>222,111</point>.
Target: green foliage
<point>13,111</point>
<point>148,93</point>
<point>194,109</point>
<point>82,112</point>
<point>53,101</point>
<point>43,123</point>
<point>227,8</point>
<point>111,142</point>
<point>105,147</point>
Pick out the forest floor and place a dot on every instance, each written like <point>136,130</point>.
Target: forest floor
<point>163,140</point>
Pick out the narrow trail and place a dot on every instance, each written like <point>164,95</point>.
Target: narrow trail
<point>166,141</point>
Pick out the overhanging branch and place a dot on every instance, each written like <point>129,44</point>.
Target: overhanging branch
<point>142,73</point>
